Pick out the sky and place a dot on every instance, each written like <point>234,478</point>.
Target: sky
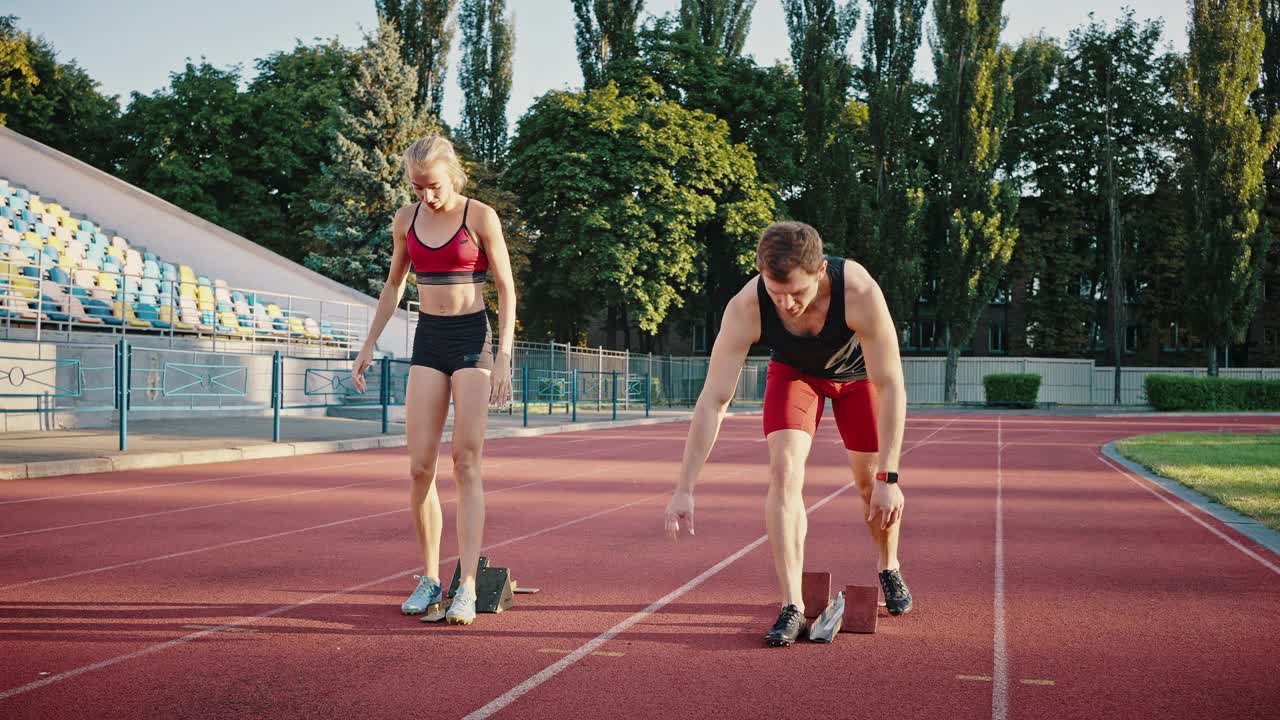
<point>134,45</point>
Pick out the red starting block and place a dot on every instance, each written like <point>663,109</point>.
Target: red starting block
<point>861,609</point>
<point>815,590</point>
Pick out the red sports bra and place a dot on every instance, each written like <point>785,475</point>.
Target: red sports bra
<point>460,260</point>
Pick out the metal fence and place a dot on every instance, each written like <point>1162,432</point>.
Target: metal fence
<point>119,379</point>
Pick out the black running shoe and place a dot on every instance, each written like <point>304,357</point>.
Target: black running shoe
<point>791,626</point>
<point>897,598</point>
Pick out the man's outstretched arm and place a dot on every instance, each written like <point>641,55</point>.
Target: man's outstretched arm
<point>738,330</point>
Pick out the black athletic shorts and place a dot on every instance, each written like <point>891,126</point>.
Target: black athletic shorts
<point>452,342</point>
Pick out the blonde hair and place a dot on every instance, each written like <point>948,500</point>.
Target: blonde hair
<point>431,149</point>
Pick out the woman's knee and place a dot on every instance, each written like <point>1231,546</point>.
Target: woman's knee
<point>422,472</point>
<point>466,462</point>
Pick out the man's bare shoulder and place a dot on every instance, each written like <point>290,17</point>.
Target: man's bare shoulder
<point>857,281</point>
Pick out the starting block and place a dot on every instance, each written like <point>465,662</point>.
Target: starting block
<point>495,588</point>
<point>854,610</point>
<point>861,609</point>
<point>815,590</point>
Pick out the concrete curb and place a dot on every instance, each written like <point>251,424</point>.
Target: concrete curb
<point>117,463</point>
<point>1245,525</point>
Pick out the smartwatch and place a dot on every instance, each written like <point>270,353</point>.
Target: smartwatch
<point>887,477</point>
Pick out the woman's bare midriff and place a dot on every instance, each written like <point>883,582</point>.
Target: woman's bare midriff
<point>451,299</point>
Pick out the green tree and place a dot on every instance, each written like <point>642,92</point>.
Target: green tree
<point>1116,122</point>
<point>53,102</point>
<point>758,104</point>
<point>722,25</point>
<point>1228,146</point>
<point>614,188</point>
<point>292,114</point>
<point>976,212</point>
<point>16,72</point>
<point>1052,257</point>
<point>484,74</point>
<point>426,37</point>
<point>819,31</point>
<point>893,251</point>
<point>362,185</point>
<point>606,30</point>
<point>186,143</point>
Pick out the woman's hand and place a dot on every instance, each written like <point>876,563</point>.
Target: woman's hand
<point>358,368</point>
<point>500,380</point>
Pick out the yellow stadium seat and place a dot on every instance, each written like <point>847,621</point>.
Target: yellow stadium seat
<point>35,206</point>
<point>186,274</point>
<point>24,286</point>
<point>187,290</point>
<point>57,242</point>
<point>107,281</point>
<point>54,209</point>
<point>166,315</point>
<point>117,253</point>
<point>33,238</point>
<point>124,311</point>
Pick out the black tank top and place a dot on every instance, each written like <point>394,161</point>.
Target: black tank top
<point>834,353</point>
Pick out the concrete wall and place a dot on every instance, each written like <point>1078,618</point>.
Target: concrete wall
<point>178,236</point>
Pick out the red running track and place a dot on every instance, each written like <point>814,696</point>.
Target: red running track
<point>1049,583</point>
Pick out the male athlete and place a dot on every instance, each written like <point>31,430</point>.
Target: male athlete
<point>831,336</point>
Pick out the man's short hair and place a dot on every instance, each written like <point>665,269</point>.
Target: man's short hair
<point>785,246</point>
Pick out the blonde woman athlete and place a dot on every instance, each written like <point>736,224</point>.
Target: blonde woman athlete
<point>452,243</point>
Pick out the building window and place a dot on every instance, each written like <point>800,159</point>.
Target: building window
<point>1003,294</point>
<point>1131,338</point>
<point>1097,337</point>
<point>995,338</point>
<point>1176,339</point>
<point>925,335</point>
<point>699,338</point>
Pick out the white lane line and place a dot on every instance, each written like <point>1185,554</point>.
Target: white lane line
<point>303,473</point>
<point>1000,671</point>
<point>272,536</point>
<point>151,649</point>
<point>218,478</point>
<point>595,643</point>
<point>1145,485</point>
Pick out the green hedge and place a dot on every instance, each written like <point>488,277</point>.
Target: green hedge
<point>1175,392</point>
<point>1015,389</point>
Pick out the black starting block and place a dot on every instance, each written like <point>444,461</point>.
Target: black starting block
<point>495,590</point>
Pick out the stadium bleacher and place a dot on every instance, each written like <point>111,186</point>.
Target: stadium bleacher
<point>57,268</point>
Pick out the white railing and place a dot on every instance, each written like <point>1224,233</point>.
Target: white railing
<point>43,307</point>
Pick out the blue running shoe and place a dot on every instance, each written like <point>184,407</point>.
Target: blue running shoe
<point>424,596</point>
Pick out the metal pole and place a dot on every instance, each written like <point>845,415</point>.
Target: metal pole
<point>573,388</point>
<point>277,394</point>
<point>40,296</point>
<point>524,392</point>
<point>386,394</point>
<point>615,394</point>
<point>123,365</point>
<point>648,384</point>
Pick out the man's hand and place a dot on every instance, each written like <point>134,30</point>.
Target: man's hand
<point>886,504</point>
<point>680,508</point>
